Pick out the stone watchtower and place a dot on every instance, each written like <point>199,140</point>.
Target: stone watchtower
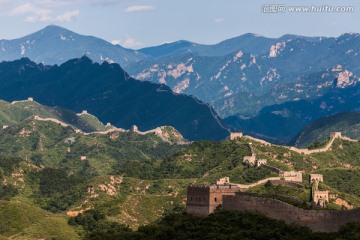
<point>134,128</point>
<point>236,135</point>
<point>203,200</point>
<point>335,134</point>
<point>250,159</point>
<point>318,177</point>
<point>320,198</point>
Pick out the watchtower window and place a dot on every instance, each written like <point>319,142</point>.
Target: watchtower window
<point>215,199</point>
<point>190,198</point>
<point>204,198</point>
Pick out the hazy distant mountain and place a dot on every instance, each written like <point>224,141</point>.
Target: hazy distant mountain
<point>280,123</point>
<point>55,45</point>
<point>236,76</point>
<point>109,93</point>
<point>243,78</point>
<point>249,43</point>
<point>348,123</point>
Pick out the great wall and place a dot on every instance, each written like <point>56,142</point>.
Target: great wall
<point>159,131</point>
<point>316,220</point>
<point>203,200</point>
<point>333,136</point>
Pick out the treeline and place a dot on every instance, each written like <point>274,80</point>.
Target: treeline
<point>7,167</point>
<point>199,158</point>
<point>223,225</point>
<point>57,189</point>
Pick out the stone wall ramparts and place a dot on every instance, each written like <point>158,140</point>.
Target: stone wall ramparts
<point>316,220</point>
<point>263,181</point>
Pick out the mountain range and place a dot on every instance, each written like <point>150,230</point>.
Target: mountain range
<point>56,45</point>
<point>247,79</point>
<point>108,92</point>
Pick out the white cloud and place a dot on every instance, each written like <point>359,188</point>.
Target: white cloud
<point>139,8</point>
<point>218,20</point>
<point>38,14</point>
<point>67,16</point>
<point>24,9</point>
<point>127,42</point>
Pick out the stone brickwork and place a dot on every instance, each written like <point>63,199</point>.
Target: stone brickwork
<point>316,220</point>
<point>197,202</point>
<point>203,200</point>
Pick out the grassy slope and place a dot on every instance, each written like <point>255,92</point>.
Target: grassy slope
<point>22,221</point>
<point>42,145</point>
<point>11,114</point>
<point>93,121</point>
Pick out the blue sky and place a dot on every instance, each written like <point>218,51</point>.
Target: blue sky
<point>141,23</point>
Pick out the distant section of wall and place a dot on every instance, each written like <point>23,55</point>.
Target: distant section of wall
<point>316,220</point>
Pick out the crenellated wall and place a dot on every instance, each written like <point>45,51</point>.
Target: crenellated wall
<point>316,220</point>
